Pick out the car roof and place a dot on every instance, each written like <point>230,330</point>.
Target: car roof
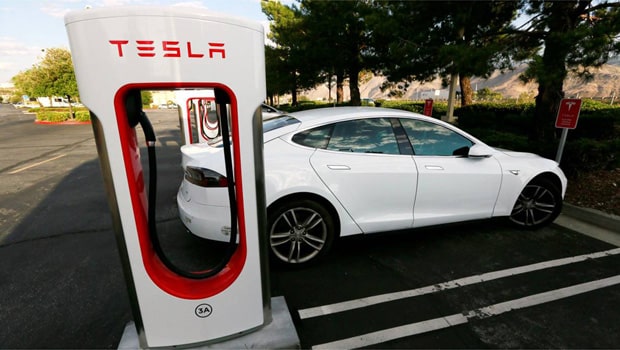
<point>319,116</point>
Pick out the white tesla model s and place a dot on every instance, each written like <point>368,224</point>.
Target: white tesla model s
<point>349,170</point>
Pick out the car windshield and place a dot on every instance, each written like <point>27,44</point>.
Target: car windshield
<point>278,122</point>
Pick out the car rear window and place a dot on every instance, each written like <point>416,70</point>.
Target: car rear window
<point>278,122</point>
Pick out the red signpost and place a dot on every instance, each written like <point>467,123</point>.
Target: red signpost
<point>428,107</point>
<point>568,115</point>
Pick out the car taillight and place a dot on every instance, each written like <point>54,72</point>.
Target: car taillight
<point>205,177</point>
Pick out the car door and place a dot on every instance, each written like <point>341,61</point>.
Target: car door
<point>451,186</point>
<point>363,167</point>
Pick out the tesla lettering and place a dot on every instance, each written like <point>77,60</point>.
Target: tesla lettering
<point>167,48</point>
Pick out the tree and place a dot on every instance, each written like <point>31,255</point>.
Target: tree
<point>420,40</point>
<point>338,34</point>
<point>486,94</point>
<point>564,36</point>
<point>53,76</point>
<point>147,97</point>
<point>288,63</point>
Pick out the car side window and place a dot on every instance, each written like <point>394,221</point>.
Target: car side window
<point>315,138</point>
<point>430,139</point>
<point>364,136</point>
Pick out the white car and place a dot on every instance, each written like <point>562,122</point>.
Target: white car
<point>270,112</point>
<point>350,170</point>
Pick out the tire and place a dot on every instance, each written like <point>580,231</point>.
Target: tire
<point>538,205</point>
<point>300,232</point>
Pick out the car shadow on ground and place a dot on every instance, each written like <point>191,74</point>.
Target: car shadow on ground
<point>62,283</point>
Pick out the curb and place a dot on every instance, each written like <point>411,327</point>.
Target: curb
<point>44,122</point>
<point>594,217</point>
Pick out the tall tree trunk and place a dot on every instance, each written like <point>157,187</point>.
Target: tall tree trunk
<point>552,72</point>
<point>329,88</point>
<point>467,93</point>
<point>354,87</point>
<point>339,87</point>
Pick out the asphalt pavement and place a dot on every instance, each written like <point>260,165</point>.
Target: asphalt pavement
<point>61,282</point>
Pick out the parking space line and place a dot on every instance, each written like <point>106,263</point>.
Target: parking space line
<point>35,164</point>
<point>457,319</point>
<point>489,276</point>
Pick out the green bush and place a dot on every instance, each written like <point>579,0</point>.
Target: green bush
<point>439,108</point>
<point>584,154</point>
<point>52,116</point>
<point>82,116</point>
<point>58,114</point>
<point>502,139</point>
<point>508,117</point>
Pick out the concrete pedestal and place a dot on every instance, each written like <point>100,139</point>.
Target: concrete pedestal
<point>279,334</point>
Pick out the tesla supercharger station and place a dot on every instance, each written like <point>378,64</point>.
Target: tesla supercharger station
<point>197,116</point>
<point>118,52</point>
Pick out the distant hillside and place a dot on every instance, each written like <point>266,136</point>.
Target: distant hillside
<point>606,83</point>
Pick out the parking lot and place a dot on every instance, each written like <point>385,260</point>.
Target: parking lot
<point>472,285</point>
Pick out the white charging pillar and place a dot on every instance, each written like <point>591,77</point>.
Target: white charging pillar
<point>117,51</point>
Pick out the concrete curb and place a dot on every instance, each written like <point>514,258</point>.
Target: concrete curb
<point>594,217</point>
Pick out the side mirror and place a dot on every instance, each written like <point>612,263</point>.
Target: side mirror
<point>479,151</point>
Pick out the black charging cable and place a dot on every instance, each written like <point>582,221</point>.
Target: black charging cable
<point>149,135</point>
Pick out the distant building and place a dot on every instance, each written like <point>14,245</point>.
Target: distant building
<point>53,101</point>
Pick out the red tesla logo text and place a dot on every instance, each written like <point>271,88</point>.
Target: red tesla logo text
<point>150,48</point>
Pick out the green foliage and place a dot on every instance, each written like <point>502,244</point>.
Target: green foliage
<point>586,154</point>
<point>501,139</point>
<point>439,107</point>
<point>292,64</point>
<point>82,116</point>
<point>147,97</point>
<point>563,36</point>
<point>60,114</point>
<point>420,40</point>
<point>53,116</point>
<point>53,76</point>
<point>486,94</point>
<point>504,117</point>
<point>594,144</point>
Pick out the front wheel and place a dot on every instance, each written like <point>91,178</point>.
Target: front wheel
<point>300,232</point>
<point>538,205</point>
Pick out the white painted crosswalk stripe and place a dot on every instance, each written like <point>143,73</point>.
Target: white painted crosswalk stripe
<point>489,276</point>
<point>407,330</point>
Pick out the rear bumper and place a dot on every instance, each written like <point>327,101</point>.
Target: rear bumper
<point>206,221</point>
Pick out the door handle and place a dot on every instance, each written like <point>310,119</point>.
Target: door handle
<point>338,167</point>
<point>433,167</point>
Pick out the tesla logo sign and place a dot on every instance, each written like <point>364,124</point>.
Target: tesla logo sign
<point>173,49</point>
<point>568,114</point>
<point>428,107</point>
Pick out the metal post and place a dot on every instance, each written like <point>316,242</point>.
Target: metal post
<point>558,156</point>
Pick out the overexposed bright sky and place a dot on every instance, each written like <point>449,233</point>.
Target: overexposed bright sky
<point>27,27</point>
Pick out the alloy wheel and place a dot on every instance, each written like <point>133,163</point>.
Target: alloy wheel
<point>537,205</point>
<point>298,235</point>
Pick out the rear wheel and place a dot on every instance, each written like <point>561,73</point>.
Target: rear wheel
<point>538,205</point>
<point>300,232</point>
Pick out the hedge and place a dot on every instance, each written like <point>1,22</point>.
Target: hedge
<point>56,115</point>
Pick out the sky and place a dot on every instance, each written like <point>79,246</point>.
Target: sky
<point>28,27</point>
